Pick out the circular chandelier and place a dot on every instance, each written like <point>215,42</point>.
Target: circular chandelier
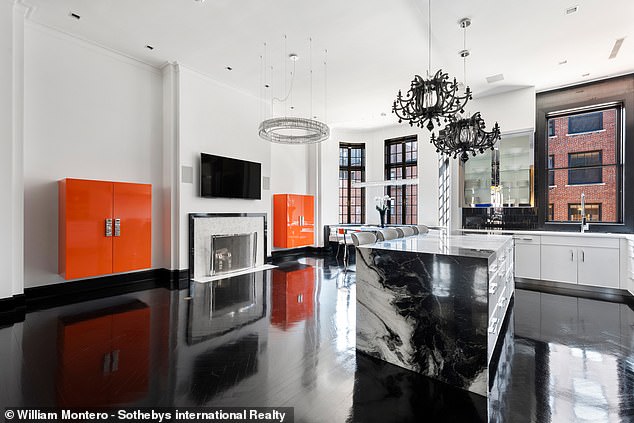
<point>465,136</point>
<point>430,99</point>
<point>293,130</point>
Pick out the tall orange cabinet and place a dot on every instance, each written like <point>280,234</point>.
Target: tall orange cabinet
<point>104,227</point>
<point>294,220</point>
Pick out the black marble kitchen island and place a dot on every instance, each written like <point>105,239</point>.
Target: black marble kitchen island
<point>435,304</point>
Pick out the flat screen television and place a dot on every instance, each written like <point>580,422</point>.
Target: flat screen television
<point>229,178</point>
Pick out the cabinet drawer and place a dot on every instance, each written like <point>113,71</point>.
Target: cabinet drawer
<point>527,239</point>
<point>580,241</point>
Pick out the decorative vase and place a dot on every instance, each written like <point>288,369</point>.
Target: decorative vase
<point>382,214</point>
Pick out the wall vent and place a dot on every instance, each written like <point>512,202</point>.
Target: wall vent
<point>495,78</point>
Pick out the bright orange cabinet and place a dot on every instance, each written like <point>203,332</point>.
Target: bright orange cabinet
<point>104,227</point>
<point>294,220</point>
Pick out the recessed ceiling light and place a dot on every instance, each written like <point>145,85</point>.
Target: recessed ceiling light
<point>572,9</point>
<point>616,48</point>
<point>229,68</point>
<point>267,86</point>
<point>74,15</point>
<point>199,1</point>
<point>383,114</point>
<point>563,62</point>
<point>149,47</point>
<point>495,78</point>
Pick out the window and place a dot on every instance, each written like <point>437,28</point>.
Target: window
<point>593,212</point>
<point>587,164</point>
<point>551,128</point>
<point>401,157</point>
<point>587,168</point>
<point>351,169</point>
<point>551,173</point>
<point>587,122</point>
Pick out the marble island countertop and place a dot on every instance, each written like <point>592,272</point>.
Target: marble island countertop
<point>435,242</point>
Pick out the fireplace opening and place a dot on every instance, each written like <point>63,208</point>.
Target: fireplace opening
<point>232,252</point>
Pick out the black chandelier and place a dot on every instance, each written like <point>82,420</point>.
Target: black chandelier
<point>465,136</point>
<point>430,99</point>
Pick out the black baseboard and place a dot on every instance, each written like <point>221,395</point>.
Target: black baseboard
<point>292,254</point>
<point>12,310</point>
<point>176,279</point>
<point>36,298</point>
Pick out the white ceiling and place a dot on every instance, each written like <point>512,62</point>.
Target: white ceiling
<point>374,46</point>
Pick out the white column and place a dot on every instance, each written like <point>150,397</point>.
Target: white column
<point>12,15</point>
<point>171,166</point>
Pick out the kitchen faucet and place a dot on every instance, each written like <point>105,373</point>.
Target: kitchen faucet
<point>585,226</point>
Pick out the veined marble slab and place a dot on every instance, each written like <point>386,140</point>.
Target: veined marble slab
<point>423,304</point>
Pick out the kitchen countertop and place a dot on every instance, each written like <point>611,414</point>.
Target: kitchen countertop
<point>549,233</point>
<point>435,242</point>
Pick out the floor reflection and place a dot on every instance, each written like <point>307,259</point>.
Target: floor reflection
<point>286,337</point>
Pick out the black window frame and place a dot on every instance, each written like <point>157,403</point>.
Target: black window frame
<point>406,200</point>
<point>614,91</point>
<point>348,167</point>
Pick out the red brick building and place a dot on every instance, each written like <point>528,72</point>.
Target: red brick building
<point>582,151</point>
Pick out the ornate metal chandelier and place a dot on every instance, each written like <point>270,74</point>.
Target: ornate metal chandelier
<point>465,136</point>
<point>430,99</point>
<point>293,129</point>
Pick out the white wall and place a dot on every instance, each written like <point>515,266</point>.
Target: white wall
<point>513,110</point>
<point>218,120</point>
<point>91,114</point>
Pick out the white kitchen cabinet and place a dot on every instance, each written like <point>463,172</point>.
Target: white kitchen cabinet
<point>581,260</point>
<point>527,256</point>
<point>559,263</point>
<point>598,267</point>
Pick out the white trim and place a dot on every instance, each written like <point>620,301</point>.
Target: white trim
<point>584,185</point>
<point>585,133</point>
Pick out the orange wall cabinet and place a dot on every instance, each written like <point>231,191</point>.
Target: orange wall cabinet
<point>104,227</point>
<point>294,220</point>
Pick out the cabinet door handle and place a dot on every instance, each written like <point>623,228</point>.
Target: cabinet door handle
<point>583,255</point>
<point>572,255</point>
<point>117,227</point>
<point>492,288</point>
<point>108,227</point>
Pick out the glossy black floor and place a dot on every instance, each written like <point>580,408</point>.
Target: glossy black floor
<point>286,337</point>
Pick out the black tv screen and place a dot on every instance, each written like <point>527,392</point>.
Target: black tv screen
<point>229,178</point>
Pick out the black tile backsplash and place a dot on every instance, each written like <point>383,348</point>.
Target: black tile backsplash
<point>499,218</point>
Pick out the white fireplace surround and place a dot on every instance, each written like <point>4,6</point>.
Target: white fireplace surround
<point>204,226</point>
